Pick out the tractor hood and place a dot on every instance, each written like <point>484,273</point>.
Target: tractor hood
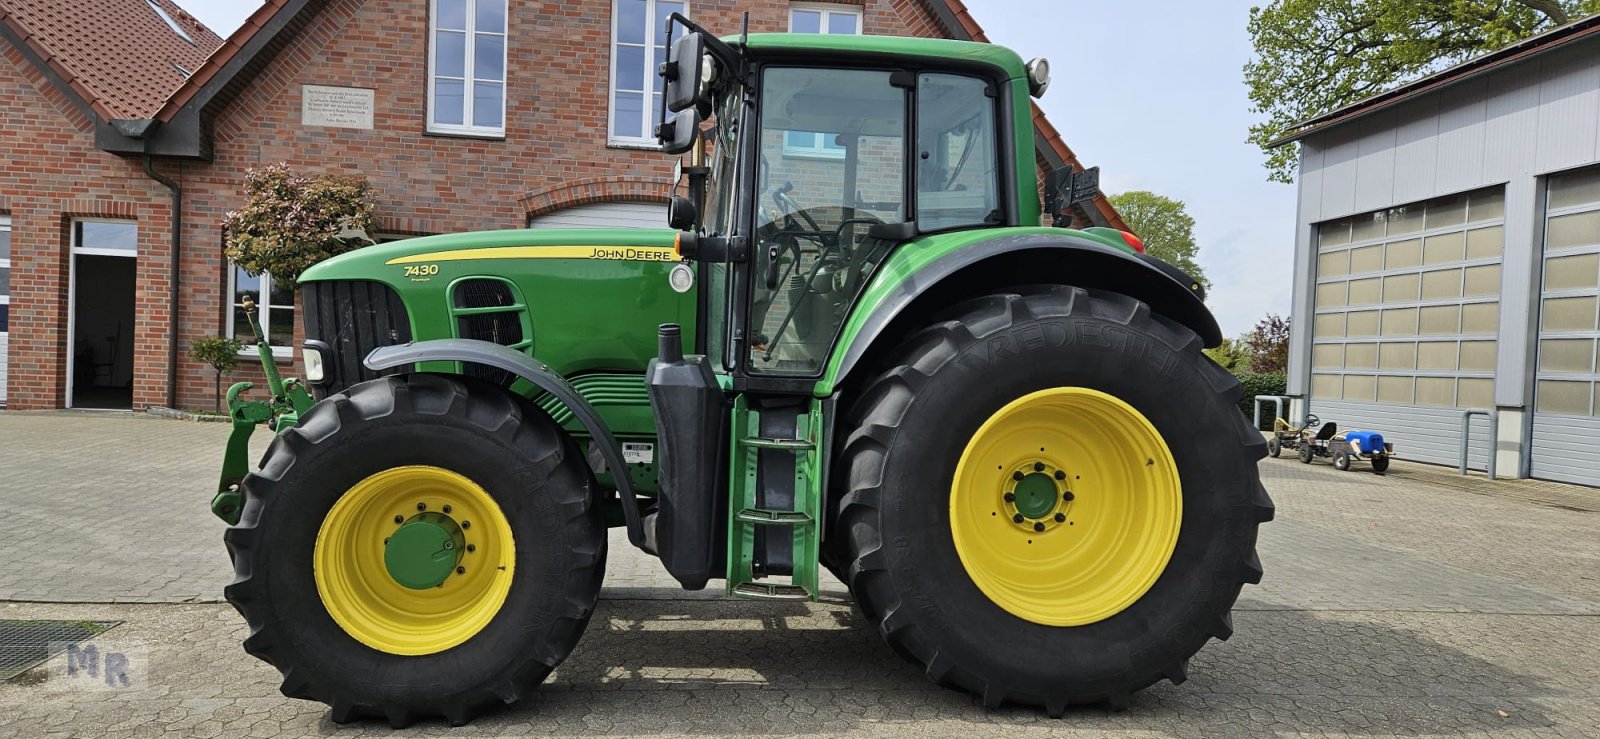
<point>383,262</point>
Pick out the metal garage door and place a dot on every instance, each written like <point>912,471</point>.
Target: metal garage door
<point>605,215</point>
<point>1566,419</point>
<point>1406,319</point>
<point>5,300</point>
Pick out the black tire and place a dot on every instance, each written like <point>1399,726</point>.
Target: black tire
<point>1380,465</point>
<point>907,431</point>
<point>1341,460</point>
<point>511,449</point>
<point>1274,447</point>
<point>1305,453</point>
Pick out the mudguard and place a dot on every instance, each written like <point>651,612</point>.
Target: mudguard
<point>536,372</point>
<point>1010,257</point>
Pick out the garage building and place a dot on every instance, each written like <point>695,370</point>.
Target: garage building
<point>1447,259</point>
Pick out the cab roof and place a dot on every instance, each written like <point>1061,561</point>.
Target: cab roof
<point>958,51</point>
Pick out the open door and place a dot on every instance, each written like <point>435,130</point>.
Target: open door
<point>100,329</point>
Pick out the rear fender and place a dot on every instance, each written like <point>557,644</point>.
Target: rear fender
<point>536,372</point>
<point>926,276</point>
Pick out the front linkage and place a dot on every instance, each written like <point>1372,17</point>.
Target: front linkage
<point>280,412</point>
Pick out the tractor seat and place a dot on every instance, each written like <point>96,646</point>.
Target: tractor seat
<point>1327,431</point>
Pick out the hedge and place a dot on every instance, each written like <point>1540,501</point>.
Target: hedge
<point>1261,383</point>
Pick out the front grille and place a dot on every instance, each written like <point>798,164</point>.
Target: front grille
<point>353,317</point>
<point>497,327</point>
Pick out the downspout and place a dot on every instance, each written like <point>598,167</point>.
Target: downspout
<point>140,129</point>
<point>172,309</point>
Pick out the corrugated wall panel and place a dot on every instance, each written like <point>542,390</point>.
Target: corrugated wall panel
<point>1339,173</point>
<point>1511,123</point>
<point>1569,109</point>
<point>1461,137</point>
<point>1566,448</point>
<point>1375,163</point>
<point>1419,433</point>
<point>1416,155</point>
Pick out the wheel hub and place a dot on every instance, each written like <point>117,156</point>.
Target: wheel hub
<point>1035,496</point>
<point>424,551</point>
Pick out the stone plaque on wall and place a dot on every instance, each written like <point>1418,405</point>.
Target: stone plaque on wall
<point>337,107</point>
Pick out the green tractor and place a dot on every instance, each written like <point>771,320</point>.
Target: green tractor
<point>855,349</point>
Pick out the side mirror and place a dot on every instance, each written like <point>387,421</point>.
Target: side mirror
<point>679,133</point>
<point>684,73</point>
<point>681,213</point>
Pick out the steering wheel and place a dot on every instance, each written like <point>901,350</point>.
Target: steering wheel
<point>788,207</point>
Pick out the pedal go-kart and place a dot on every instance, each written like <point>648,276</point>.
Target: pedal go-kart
<point>1366,446</point>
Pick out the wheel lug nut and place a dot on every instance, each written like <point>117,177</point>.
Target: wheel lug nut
<point>461,570</point>
<point>466,524</point>
<point>399,519</point>
<point>1016,475</point>
<point>1038,467</point>
<point>1038,527</point>
<point>1011,497</point>
<point>1067,496</point>
<point>447,509</point>
<point>1061,517</point>
<point>1061,475</point>
<point>1017,518</point>
<point>385,540</point>
<point>471,548</point>
<point>422,506</point>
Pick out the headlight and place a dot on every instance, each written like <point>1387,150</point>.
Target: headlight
<point>311,352</point>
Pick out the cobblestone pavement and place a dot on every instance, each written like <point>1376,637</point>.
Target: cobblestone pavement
<point>1392,606</point>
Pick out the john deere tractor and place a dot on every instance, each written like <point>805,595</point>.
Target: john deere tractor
<point>854,349</point>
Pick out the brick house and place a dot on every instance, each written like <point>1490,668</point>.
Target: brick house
<point>464,114</point>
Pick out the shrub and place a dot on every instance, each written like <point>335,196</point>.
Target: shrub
<point>222,353</point>
<point>1261,383</point>
<point>292,221</point>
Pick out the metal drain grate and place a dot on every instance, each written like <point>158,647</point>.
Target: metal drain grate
<point>24,644</point>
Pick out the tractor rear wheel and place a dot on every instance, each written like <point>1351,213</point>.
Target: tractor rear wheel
<point>417,546</point>
<point>1051,499</point>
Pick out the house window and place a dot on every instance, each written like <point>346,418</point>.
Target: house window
<point>274,311</point>
<point>5,279</point>
<point>637,48</point>
<point>819,18</point>
<point>467,67</point>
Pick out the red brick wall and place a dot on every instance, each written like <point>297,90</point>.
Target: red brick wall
<point>51,173</point>
<point>554,155</point>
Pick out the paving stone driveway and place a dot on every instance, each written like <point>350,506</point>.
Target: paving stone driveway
<point>1391,606</point>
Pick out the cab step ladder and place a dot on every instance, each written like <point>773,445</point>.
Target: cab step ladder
<point>782,468</point>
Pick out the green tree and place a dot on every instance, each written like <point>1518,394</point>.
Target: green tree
<point>1165,227</point>
<point>1312,56</point>
<point>222,353</point>
<point>1231,355</point>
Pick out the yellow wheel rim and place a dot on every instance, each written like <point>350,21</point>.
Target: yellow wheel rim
<point>369,604</point>
<point>1065,506</point>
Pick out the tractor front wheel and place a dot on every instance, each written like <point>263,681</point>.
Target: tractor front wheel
<point>1274,447</point>
<point>417,546</point>
<point>1306,453</point>
<point>1050,499</point>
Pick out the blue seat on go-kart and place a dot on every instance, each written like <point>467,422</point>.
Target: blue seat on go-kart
<point>1370,442</point>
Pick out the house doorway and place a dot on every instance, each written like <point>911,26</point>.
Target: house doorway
<point>100,326</point>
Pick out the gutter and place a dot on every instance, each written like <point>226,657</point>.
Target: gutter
<point>140,129</point>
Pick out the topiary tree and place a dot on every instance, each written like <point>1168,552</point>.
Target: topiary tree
<point>222,353</point>
<point>294,220</point>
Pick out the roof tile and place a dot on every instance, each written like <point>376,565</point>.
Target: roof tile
<point>119,54</point>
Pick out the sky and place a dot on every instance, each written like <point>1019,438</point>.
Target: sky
<point>1152,92</point>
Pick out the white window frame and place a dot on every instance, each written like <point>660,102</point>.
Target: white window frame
<point>819,149</point>
<point>466,127</point>
<point>264,308</point>
<point>652,38</point>
<point>5,262</point>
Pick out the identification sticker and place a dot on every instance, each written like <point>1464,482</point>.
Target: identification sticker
<point>634,452</point>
